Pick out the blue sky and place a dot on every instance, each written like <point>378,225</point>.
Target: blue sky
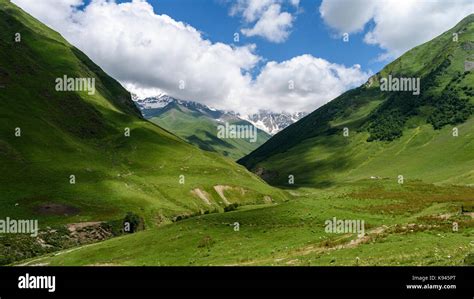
<point>290,55</point>
<point>309,35</point>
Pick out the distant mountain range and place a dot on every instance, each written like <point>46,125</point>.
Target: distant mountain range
<point>197,123</point>
<point>265,120</point>
<point>154,106</point>
<point>272,122</point>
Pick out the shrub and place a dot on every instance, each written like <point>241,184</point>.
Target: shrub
<point>450,110</point>
<point>386,127</point>
<point>133,223</point>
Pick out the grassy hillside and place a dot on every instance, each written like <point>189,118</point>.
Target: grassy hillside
<point>201,130</point>
<point>74,133</point>
<point>390,133</point>
<point>410,224</point>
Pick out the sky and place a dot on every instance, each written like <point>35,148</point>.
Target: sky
<point>247,55</point>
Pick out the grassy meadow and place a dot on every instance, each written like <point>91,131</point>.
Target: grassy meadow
<point>408,224</point>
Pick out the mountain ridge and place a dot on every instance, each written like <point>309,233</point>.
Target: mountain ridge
<point>379,118</point>
<point>265,120</point>
<point>92,156</point>
<point>199,125</point>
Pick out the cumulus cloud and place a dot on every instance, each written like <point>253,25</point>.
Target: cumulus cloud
<point>269,21</point>
<point>250,9</point>
<point>53,13</point>
<point>273,24</point>
<point>398,25</point>
<point>347,15</point>
<point>304,82</point>
<point>152,54</point>
<point>146,50</point>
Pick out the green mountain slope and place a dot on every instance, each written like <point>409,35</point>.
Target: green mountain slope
<point>67,136</point>
<point>197,127</point>
<point>390,133</point>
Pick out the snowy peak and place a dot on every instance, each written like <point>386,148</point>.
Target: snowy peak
<point>267,121</point>
<point>154,102</point>
<point>272,122</point>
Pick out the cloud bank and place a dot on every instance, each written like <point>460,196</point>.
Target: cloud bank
<point>151,53</point>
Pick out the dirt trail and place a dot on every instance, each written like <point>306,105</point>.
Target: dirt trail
<point>35,261</point>
<point>320,248</point>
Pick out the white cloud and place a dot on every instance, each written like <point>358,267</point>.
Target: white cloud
<point>146,50</point>
<point>399,25</point>
<point>295,3</point>
<point>250,9</point>
<point>150,54</point>
<point>270,22</point>
<point>274,25</point>
<point>53,13</point>
<point>347,15</point>
<point>315,82</point>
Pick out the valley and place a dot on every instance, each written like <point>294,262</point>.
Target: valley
<point>111,183</point>
<point>200,125</point>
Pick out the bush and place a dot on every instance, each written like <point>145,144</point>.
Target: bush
<point>450,110</point>
<point>133,223</point>
<point>386,127</point>
<point>114,226</point>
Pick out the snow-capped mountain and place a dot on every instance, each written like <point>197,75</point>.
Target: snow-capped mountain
<point>154,102</point>
<point>267,121</point>
<point>154,106</point>
<point>272,122</point>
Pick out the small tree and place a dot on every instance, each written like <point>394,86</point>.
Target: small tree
<point>132,223</point>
